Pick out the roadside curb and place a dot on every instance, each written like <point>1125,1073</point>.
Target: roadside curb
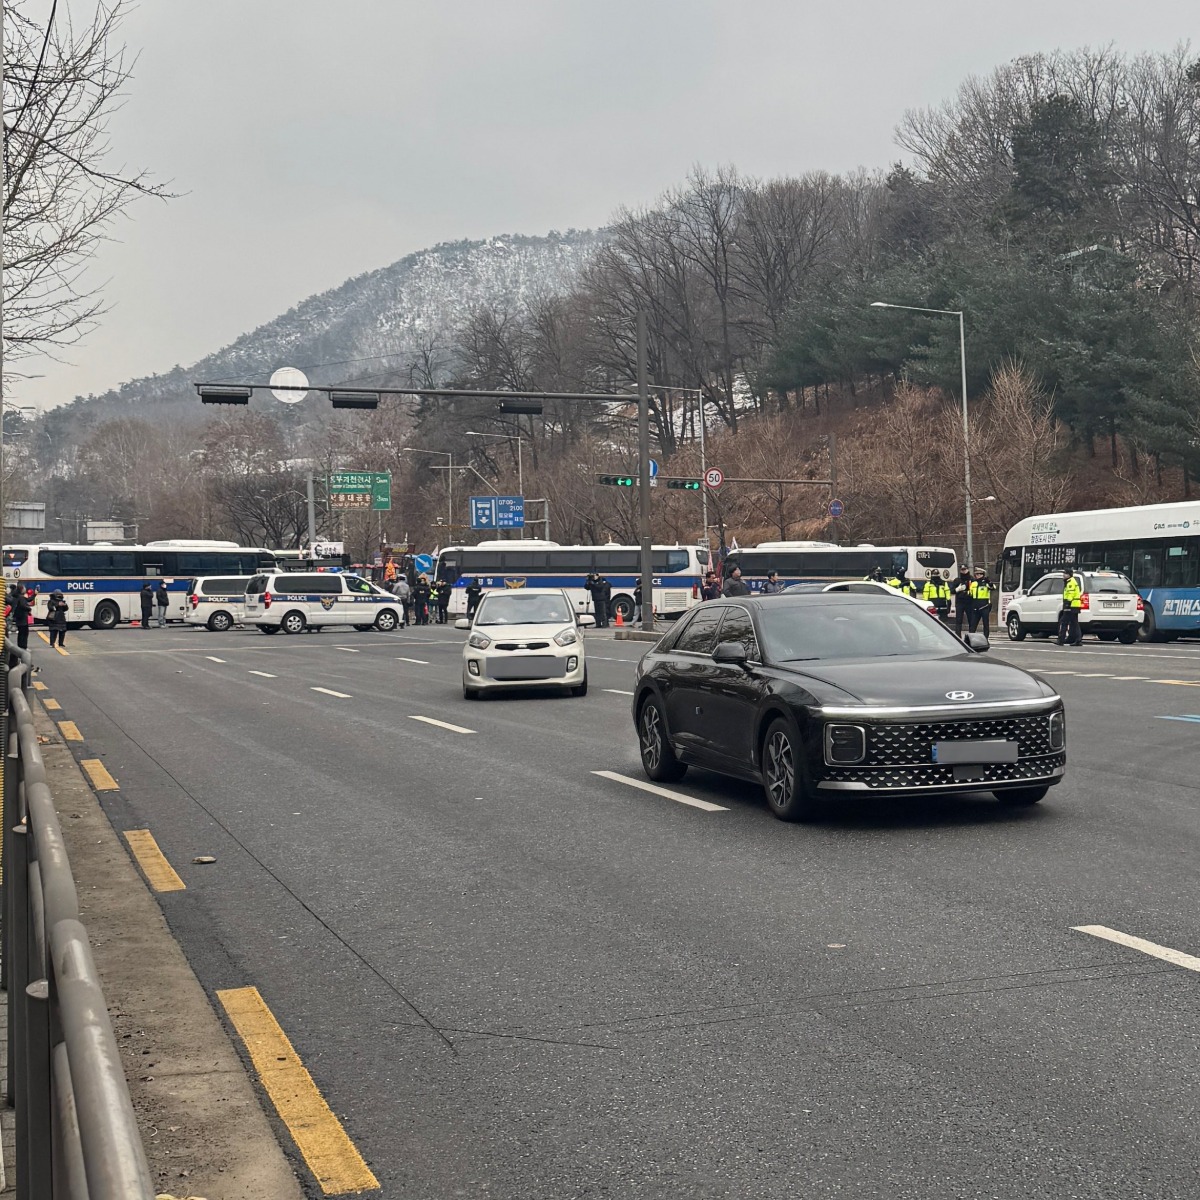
<point>202,1123</point>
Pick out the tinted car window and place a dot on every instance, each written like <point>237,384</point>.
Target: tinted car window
<point>355,584</point>
<point>737,627</point>
<point>311,585</point>
<point>700,635</point>
<point>1108,583</point>
<point>223,587</point>
<point>1043,587</point>
<point>257,585</point>
<point>882,630</point>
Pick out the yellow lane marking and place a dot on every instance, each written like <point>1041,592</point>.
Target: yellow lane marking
<point>97,772</point>
<point>39,686</point>
<point>64,653</point>
<point>159,873</point>
<point>51,705</point>
<point>44,636</point>
<point>70,731</point>
<point>331,1155</point>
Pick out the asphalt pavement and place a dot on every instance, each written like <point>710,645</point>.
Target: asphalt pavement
<point>510,976</point>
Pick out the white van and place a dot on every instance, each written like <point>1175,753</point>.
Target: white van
<point>295,601</point>
<point>218,601</point>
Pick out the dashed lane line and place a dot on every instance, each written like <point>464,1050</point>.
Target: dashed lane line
<point>70,731</point>
<point>51,705</point>
<point>331,692</point>
<point>1191,717</point>
<point>678,797</point>
<point>422,662</point>
<point>159,873</point>
<point>214,658</point>
<point>97,772</point>
<point>39,686</point>
<point>319,1135</point>
<point>617,691</point>
<point>265,674</point>
<point>441,724</point>
<point>60,650</point>
<point>44,636</point>
<point>348,649</point>
<point>1123,678</point>
<point>1177,957</point>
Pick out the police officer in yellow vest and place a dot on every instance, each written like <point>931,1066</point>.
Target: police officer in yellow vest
<point>900,582</point>
<point>937,593</point>
<point>1068,620</point>
<point>980,593</point>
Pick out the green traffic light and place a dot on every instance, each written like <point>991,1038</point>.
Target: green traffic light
<point>690,485</point>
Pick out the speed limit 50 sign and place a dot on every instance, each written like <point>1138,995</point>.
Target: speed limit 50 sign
<point>714,477</point>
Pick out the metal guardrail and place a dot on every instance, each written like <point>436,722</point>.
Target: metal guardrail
<point>77,1137</point>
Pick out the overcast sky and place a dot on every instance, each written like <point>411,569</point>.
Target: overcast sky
<point>313,140</point>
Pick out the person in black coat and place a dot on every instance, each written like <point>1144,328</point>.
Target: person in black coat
<point>474,592</point>
<point>162,599</point>
<point>22,615</point>
<point>56,618</point>
<point>147,599</point>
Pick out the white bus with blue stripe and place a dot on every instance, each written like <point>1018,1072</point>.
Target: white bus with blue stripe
<point>102,583</point>
<point>678,572</point>
<point>1157,546</point>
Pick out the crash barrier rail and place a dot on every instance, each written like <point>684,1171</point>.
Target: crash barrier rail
<point>77,1137</point>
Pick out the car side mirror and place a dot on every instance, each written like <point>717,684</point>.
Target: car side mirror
<point>730,654</point>
<point>978,643</point>
<point>585,620</point>
<point>462,623</point>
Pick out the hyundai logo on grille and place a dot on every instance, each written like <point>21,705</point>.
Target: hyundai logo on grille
<point>960,695</point>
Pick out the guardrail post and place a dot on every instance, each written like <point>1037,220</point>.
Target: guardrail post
<point>36,1151</point>
<point>8,813</point>
<point>70,1175</point>
<point>18,880</point>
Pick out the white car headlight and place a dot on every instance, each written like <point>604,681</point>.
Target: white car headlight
<point>479,641</point>
<point>568,637</point>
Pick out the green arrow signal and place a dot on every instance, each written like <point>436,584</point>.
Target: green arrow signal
<point>688,485</point>
<point>618,480</point>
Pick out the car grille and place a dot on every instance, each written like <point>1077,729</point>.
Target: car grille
<point>934,774</point>
<point>522,645</point>
<point>895,745</point>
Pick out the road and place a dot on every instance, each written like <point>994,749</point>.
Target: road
<point>512,977</point>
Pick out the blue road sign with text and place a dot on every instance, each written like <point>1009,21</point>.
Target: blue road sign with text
<point>483,512</point>
<point>510,512</point>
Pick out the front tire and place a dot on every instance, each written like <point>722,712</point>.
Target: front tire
<point>1016,631</point>
<point>1021,797</point>
<point>658,759</point>
<point>783,774</point>
<point>580,689</point>
<point>106,616</point>
<point>386,621</point>
<point>220,621</point>
<point>294,622</point>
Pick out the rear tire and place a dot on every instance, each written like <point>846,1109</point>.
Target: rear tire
<point>106,616</point>
<point>1016,631</point>
<point>784,776</point>
<point>220,621</point>
<point>658,759</point>
<point>1021,797</point>
<point>294,622</point>
<point>386,621</point>
<point>1127,637</point>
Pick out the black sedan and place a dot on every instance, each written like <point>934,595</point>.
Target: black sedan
<point>815,695</point>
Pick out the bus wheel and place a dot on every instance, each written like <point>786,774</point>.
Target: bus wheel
<point>623,605</point>
<point>106,616</point>
<point>1148,630</point>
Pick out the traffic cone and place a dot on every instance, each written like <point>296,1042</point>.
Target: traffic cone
<point>619,623</point>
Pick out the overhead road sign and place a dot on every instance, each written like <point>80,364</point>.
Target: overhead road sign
<point>289,385</point>
<point>361,489</point>
<point>510,512</point>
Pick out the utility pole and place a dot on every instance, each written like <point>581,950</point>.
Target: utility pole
<point>833,485</point>
<point>647,565</point>
<point>312,516</point>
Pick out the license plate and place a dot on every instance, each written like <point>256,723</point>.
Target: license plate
<point>984,750</point>
<point>1114,603</point>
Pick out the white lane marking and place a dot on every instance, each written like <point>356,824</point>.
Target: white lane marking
<point>264,674</point>
<point>213,658</point>
<point>441,724</point>
<point>678,797</point>
<point>1103,653</point>
<point>348,649</point>
<point>1094,675</point>
<point>1195,720</point>
<point>329,692</point>
<point>617,691</point>
<point>1055,672</point>
<point>1177,957</point>
<point>1131,678</point>
<point>419,661</point>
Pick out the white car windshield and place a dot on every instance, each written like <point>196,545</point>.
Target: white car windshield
<point>517,608</point>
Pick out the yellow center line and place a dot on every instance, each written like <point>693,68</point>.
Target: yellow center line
<point>44,636</point>
<point>97,772</point>
<point>64,653</point>
<point>70,731</point>
<point>330,1154</point>
<point>51,705</point>
<point>159,873</point>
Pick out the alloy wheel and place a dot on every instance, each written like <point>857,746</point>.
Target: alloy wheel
<point>651,738</point>
<point>781,770</point>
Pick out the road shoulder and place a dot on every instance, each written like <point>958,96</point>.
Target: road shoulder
<point>204,1129</point>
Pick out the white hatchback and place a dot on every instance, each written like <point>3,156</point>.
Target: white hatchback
<point>296,601</point>
<point>524,637</point>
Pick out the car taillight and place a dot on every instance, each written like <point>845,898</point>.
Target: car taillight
<point>695,591</point>
<point>195,600</point>
<point>266,599</point>
<point>1085,601</point>
<point>1141,606</point>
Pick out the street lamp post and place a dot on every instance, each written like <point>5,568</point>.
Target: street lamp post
<point>699,394</point>
<point>449,454</point>
<point>512,437</point>
<point>962,350</point>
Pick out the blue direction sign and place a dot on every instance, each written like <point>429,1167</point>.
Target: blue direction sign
<point>483,512</point>
<point>836,508</point>
<point>510,512</point>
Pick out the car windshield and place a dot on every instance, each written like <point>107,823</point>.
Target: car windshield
<point>522,608</point>
<point>835,631</point>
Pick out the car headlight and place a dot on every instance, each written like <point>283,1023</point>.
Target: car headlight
<point>568,637</point>
<point>1058,730</point>
<point>479,641</point>
<point>845,745</point>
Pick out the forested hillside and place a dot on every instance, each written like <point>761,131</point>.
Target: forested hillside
<point>1056,203</point>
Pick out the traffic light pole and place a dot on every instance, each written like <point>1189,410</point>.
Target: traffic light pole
<point>647,571</point>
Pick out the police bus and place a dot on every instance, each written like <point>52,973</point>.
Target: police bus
<point>811,562</point>
<point>678,572</point>
<point>1156,545</point>
<point>102,582</point>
